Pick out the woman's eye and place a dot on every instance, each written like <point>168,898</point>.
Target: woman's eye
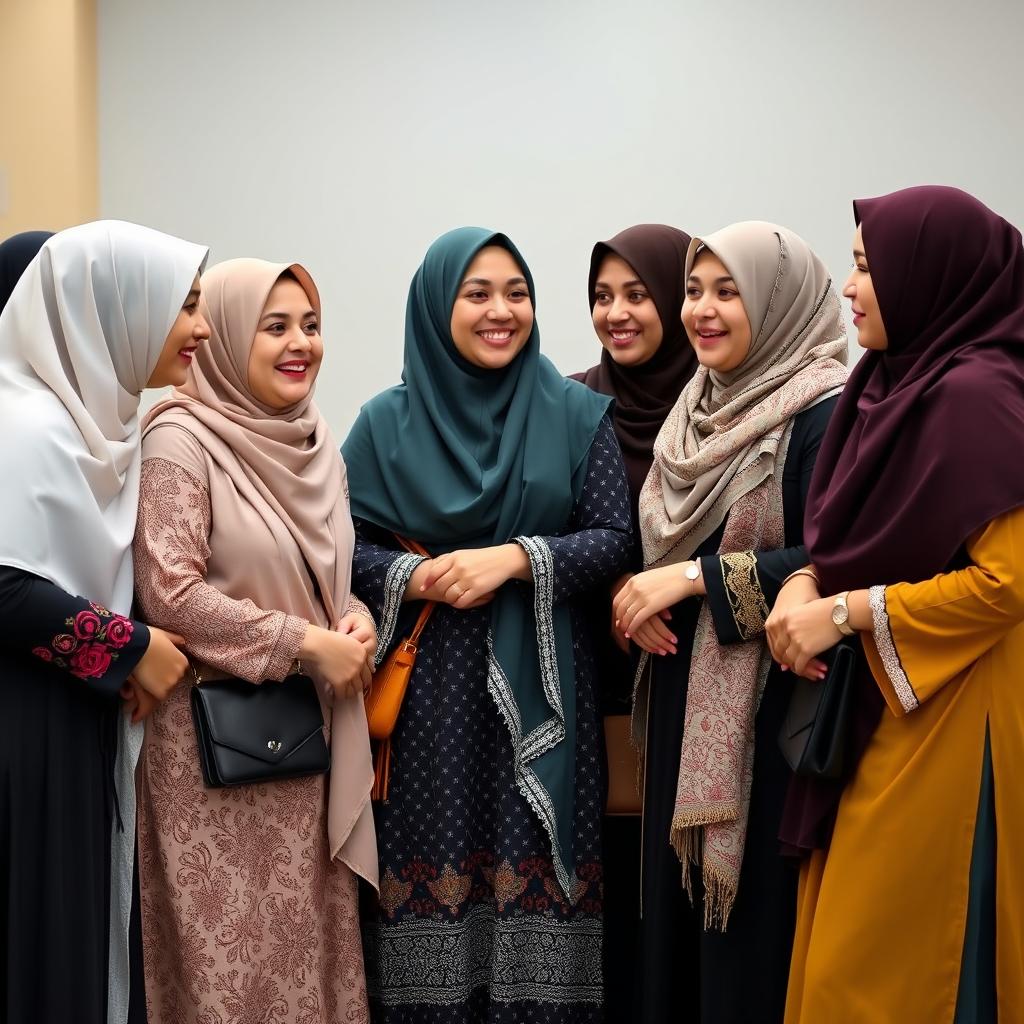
<point>518,294</point>
<point>637,296</point>
<point>693,293</point>
<point>312,327</point>
<point>727,293</point>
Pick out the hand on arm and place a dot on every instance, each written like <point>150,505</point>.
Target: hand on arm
<point>470,577</point>
<point>337,660</point>
<point>163,665</point>
<point>800,626</point>
<point>647,597</point>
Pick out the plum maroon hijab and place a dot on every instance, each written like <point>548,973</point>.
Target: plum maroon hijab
<point>921,450</point>
<point>644,395</point>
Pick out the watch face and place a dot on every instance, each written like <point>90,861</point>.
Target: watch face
<point>692,571</point>
<point>840,613</point>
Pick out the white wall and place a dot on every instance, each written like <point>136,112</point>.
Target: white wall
<point>347,136</point>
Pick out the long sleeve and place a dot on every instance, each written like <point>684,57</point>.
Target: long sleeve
<point>171,552</point>
<point>597,544</point>
<point>380,575</point>
<point>927,634</point>
<point>70,633</point>
<point>742,585</point>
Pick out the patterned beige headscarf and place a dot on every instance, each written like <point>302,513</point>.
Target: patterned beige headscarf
<point>719,457</point>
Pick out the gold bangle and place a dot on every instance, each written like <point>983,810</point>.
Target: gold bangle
<point>805,571</point>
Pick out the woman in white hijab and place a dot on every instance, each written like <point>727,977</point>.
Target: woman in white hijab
<point>101,312</point>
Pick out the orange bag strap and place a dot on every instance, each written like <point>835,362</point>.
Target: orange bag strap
<point>417,549</point>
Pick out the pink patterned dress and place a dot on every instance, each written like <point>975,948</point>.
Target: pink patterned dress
<point>246,919</point>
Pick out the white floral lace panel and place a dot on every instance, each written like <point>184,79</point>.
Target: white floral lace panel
<point>887,650</point>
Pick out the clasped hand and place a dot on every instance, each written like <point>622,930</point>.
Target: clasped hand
<point>640,609</point>
<point>469,577</point>
<point>800,627</point>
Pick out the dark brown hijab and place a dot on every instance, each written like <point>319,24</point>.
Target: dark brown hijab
<point>644,395</point>
<point>923,447</point>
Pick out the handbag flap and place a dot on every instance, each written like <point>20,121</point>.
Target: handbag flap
<point>269,721</point>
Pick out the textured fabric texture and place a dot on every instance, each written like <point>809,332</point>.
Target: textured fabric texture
<point>473,925</point>
<point>719,458</point>
<point>284,465</point>
<point>459,457</point>
<point>82,332</point>
<point>644,395</point>
<point>239,882</point>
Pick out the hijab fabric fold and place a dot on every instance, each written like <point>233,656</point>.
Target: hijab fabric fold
<point>719,458</point>
<point>79,338</point>
<point>285,464</point>
<point>644,395</point>
<point>460,457</point>
<point>920,451</point>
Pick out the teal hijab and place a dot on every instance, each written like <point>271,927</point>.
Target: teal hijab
<point>457,456</point>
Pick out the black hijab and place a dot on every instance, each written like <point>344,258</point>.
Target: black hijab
<point>644,395</point>
<point>15,255</point>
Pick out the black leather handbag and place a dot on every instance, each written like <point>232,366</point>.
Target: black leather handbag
<point>251,733</point>
<point>814,732</point>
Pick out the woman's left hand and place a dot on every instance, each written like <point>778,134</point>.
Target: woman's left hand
<point>801,633</point>
<point>138,704</point>
<point>470,577</point>
<point>358,626</point>
<point>647,594</point>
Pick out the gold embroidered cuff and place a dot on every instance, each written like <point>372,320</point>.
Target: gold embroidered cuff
<point>743,588</point>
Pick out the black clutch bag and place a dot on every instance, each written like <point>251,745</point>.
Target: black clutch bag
<point>251,733</point>
<point>814,732</point>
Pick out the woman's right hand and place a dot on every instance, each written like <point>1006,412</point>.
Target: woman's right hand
<point>797,592</point>
<point>163,666</point>
<point>338,660</point>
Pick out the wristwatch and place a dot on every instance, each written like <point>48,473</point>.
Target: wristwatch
<point>841,614</point>
<point>692,570</point>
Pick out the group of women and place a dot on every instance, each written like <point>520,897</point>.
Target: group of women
<point>678,533</point>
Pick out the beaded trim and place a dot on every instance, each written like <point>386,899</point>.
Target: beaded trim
<point>395,583</point>
<point>743,588</point>
<point>887,650</point>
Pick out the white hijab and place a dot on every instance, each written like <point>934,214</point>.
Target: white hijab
<point>79,337</point>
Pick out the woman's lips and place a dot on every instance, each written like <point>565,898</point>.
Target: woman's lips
<point>498,338</point>
<point>187,353</point>
<point>295,370</point>
<point>709,338</point>
<point>623,338</point>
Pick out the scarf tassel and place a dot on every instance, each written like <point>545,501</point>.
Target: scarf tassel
<point>719,892</point>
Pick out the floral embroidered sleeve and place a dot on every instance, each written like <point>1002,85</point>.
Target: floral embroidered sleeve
<point>742,585</point>
<point>70,633</point>
<point>171,552</point>
<point>598,543</point>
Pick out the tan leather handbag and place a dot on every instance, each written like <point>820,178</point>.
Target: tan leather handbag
<point>387,691</point>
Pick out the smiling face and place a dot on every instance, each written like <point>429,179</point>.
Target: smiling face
<point>625,316</point>
<point>867,317</point>
<point>713,314</point>
<point>286,352</point>
<point>493,314</point>
<point>187,333</point>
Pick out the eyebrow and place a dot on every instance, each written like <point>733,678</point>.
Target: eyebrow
<point>484,281</point>
<point>637,283</point>
<point>857,252</point>
<point>718,280</point>
<point>192,295</point>
<point>284,316</point>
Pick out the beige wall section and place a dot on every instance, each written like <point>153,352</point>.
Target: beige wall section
<point>48,127</point>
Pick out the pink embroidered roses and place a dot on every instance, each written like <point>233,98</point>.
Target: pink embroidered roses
<point>91,644</point>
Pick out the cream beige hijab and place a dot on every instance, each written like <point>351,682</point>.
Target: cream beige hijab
<point>722,438</point>
<point>284,463</point>
<point>719,457</point>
